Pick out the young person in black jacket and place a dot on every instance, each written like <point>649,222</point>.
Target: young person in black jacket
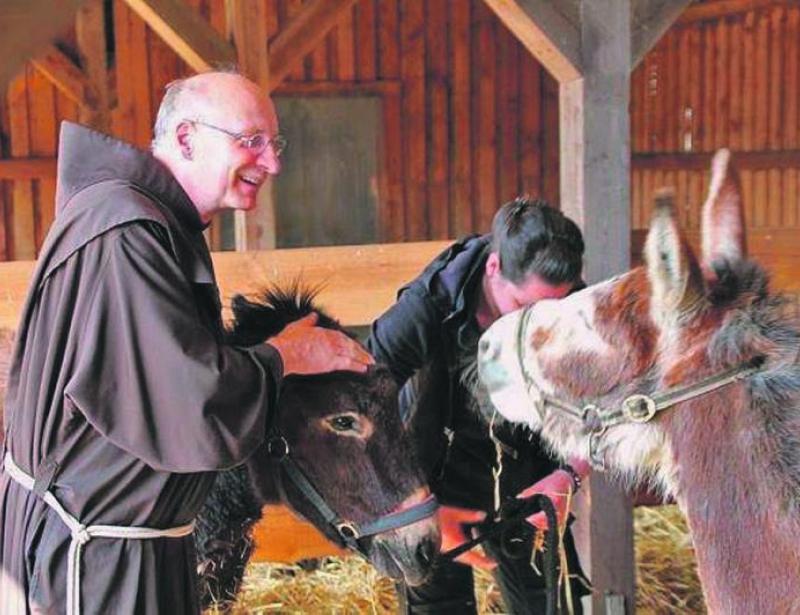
<point>428,338</point>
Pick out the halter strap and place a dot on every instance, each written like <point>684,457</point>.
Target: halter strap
<point>349,531</point>
<point>635,408</point>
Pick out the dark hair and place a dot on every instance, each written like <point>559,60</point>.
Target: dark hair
<point>531,237</point>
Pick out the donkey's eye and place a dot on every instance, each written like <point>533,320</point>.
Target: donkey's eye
<point>344,422</point>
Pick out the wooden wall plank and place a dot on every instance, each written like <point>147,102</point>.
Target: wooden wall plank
<point>791,51</point>
<point>550,144</point>
<point>23,225</point>
<point>412,62</point>
<point>508,159</point>
<point>345,45</point>
<point>530,125</point>
<point>392,215</point>
<point>365,33</point>
<point>760,193</point>
<point>461,214</point>
<point>43,138</point>
<point>484,71</point>
<point>438,123</point>
<point>776,120</point>
<point>735,75</point>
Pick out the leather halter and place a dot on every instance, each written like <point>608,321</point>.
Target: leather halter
<point>349,532</point>
<point>636,408</point>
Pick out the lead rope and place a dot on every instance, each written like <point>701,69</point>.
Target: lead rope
<point>540,538</point>
<point>497,470</point>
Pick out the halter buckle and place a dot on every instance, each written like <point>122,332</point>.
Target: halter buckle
<point>590,415</point>
<point>639,408</point>
<point>277,447</point>
<point>347,531</point>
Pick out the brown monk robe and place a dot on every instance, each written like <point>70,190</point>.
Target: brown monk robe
<point>120,375</point>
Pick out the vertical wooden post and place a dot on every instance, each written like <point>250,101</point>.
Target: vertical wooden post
<point>247,26</point>
<point>595,192</point>
<point>90,31</point>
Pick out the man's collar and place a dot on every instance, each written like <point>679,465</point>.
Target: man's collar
<point>87,157</point>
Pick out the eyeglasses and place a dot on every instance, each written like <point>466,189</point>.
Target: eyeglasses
<point>255,142</point>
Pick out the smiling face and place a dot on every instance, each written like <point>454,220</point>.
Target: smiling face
<point>216,169</point>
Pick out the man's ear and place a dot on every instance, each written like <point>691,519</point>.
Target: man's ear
<point>184,133</point>
<point>493,265</point>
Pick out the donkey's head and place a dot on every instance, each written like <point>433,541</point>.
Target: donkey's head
<point>584,370</point>
<point>346,436</point>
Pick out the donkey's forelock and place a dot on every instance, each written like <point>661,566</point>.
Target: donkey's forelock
<point>271,310</point>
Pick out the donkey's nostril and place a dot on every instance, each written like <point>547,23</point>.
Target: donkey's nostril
<point>484,345</point>
<point>426,552</point>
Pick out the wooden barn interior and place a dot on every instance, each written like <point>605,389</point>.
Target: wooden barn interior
<point>411,121</point>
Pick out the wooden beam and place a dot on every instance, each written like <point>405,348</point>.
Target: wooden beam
<point>27,168</point>
<point>358,282</point>
<point>649,21</point>
<point>67,77</point>
<point>186,32</point>
<point>247,26</point>
<point>28,25</point>
<point>35,168</point>
<point>90,33</point>
<point>722,8</point>
<point>302,34</point>
<point>550,35</point>
<point>701,161</point>
<point>594,131</point>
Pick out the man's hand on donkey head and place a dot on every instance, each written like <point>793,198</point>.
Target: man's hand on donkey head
<point>308,349</point>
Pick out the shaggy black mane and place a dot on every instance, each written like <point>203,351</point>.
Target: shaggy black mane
<point>256,320</point>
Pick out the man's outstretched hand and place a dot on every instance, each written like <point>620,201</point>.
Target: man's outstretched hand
<point>451,524</point>
<point>308,349</point>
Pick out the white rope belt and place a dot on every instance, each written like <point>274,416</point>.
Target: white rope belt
<point>81,534</point>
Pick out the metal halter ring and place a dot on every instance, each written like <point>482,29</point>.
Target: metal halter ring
<point>278,447</point>
<point>590,415</point>
<point>639,408</point>
<point>347,531</point>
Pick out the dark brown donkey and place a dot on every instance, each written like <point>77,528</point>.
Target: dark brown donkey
<point>344,435</point>
<point>683,372</point>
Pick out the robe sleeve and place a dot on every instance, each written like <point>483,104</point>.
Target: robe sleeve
<point>408,334</point>
<point>154,378</point>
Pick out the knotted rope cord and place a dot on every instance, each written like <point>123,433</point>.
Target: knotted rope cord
<point>81,534</point>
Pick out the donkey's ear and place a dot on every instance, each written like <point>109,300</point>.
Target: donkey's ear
<point>723,218</point>
<point>675,278</point>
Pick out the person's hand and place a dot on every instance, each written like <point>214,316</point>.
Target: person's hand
<point>307,349</point>
<point>451,524</point>
<point>558,487</point>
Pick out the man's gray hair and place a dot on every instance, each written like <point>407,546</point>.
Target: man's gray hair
<point>172,105</point>
<point>167,110</point>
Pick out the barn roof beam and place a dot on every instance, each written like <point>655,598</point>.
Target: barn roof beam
<point>28,25</point>
<point>548,30</point>
<point>302,34</point>
<point>67,77</point>
<point>650,19</point>
<point>90,35</point>
<point>186,32</point>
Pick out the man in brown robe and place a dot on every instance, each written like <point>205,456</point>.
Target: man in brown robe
<point>122,399</point>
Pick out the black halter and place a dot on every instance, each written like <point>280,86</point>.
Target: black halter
<point>348,531</point>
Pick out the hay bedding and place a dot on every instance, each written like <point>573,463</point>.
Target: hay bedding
<point>667,579</point>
